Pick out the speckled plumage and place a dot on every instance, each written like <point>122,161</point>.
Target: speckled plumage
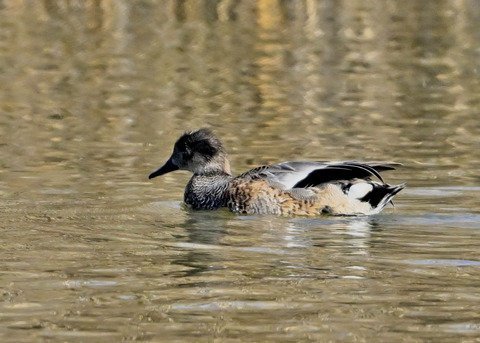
<point>287,188</point>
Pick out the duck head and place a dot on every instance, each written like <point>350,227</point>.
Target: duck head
<point>199,152</point>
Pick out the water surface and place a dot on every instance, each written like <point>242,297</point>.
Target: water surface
<point>94,94</point>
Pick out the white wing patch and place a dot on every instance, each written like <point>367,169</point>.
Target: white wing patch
<point>359,190</point>
<point>296,173</point>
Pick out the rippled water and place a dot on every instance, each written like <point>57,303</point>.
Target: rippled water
<point>93,96</point>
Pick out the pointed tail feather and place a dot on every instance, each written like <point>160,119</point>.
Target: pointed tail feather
<point>381,195</point>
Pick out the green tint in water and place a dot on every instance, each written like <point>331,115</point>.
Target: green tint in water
<point>93,96</point>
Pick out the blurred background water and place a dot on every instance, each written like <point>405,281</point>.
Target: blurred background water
<point>93,94</point>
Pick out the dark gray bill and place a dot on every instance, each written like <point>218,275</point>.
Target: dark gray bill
<point>167,168</point>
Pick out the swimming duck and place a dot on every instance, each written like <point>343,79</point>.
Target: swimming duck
<point>287,188</point>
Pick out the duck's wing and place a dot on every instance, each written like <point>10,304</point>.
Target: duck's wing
<point>309,174</point>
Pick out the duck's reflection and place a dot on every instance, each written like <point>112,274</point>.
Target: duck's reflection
<point>219,240</point>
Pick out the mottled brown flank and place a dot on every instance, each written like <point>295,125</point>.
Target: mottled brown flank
<point>259,196</point>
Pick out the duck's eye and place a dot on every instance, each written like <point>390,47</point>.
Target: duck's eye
<point>187,153</point>
<point>205,148</point>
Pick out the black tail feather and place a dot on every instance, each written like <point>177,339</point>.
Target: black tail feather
<point>382,194</point>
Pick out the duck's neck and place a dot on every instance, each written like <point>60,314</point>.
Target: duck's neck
<point>207,191</point>
<point>219,166</point>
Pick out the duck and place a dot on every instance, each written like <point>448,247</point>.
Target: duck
<point>297,188</point>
